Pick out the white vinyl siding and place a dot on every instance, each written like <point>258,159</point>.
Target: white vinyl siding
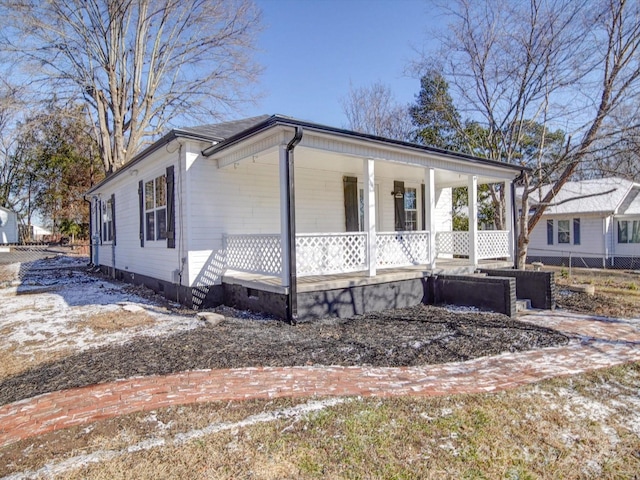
<point>592,237</point>
<point>8,226</point>
<point>157,263</point>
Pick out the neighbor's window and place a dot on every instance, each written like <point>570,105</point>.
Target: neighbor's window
<point>107,221</point>
<point>564,235</point>
<point>410,209</point>
<point>576,231</point>
<point>155,207</point>
<point>628,231</point>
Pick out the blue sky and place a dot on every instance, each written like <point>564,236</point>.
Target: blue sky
<point>312,49</point>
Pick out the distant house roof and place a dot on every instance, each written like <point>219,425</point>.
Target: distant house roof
<point>7,210</point>
<point>604,195</point>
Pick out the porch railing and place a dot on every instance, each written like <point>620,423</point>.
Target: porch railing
<point>493,244</point>
<point>400,249</point>
<point>257,253</point>
<point>452,244</point>
<point>328,253</point>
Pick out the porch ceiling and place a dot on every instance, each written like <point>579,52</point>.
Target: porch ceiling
<point>309,158</point>
<point>317,159</point>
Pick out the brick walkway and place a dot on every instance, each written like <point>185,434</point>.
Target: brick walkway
<point>596,343</point>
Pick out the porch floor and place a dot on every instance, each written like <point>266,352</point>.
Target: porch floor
<point>315,283</point>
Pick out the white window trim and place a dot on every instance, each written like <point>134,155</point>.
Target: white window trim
<point>155,243</point>
<point>417,189</point>
<point>107,211</point>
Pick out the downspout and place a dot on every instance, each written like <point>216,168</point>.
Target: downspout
<point>84,197</point>
<point>292,298</point>
<point>514,214</point>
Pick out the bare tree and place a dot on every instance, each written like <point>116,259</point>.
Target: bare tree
<point>138,64</point>
<point>10,168</point>
<point>373,110</point>
<point>559,63</point>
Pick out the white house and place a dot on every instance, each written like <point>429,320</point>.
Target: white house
<point>223,214</point>
<point>595,223</point>
<point>8,226</point>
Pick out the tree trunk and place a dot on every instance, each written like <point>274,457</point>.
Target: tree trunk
<point>523,233</point>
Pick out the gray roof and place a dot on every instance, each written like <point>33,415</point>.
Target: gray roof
<point>225,134</point>
<point>224,130</point>
<point>602,195</point>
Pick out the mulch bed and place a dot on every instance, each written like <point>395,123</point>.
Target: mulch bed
<point>413,336</point>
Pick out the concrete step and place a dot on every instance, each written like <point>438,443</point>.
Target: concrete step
<point>523,304</point>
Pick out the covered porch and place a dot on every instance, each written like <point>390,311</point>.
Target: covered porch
<point>352,209</point>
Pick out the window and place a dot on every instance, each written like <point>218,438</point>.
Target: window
<point>549,232</point>
<point>107,221</point>
<point>628,231</point>
<point>576,231</point>
<point>155,207</point>
<point>410,209</point>
<point>564,235</point>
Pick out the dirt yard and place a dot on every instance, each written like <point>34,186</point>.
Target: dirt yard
<point>617,292</point>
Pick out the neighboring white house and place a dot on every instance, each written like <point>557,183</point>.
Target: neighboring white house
<point>8,226</point>
<point>207,209</point>
<point>595,222</point>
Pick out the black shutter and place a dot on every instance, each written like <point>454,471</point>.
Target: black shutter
<point>351,203</point>
<point>549,232</point>
<point>398,201</point>
<point>423,203</point>
<point>113,217</point>
<point>141,208</point>
<point>171,209</point>
<point>100,219</point>
<point>576,231</point>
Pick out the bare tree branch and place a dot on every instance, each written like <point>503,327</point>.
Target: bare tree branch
<point>138,65</point>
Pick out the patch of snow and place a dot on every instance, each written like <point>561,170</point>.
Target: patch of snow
<point>462,309</point>
<point>592,468</point>
<point>36,319</point>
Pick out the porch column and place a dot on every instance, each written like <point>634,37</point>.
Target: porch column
<point>430,213</point>
<point>508,220</point>
<point>472,194</point>
<point>370,213</point>
<point>284,214</point>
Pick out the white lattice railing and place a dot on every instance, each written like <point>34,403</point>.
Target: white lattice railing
<point>258,253</point>
<point>453,243</point>
<point>400,249</point>
<point>329,253</point>
<point>493,244</point>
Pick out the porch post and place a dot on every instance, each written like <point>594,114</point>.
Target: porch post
<point>430,214</point>
<point>508,214</point>
<point>472,195</point>
<point>370,213</point>
<point>284,214</point>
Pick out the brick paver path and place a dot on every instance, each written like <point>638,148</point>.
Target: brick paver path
<point>596,343</point>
